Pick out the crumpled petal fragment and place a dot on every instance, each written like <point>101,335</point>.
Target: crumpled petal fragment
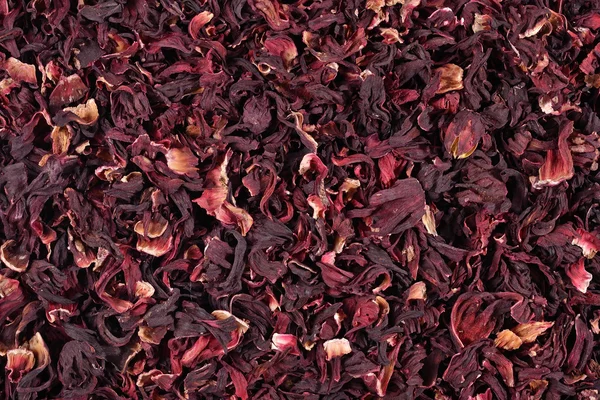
<point>84,114</point>
<point>462,136</point>
<point>397,208</point>
<point>19,362</point>
<point>68,90</point>
<point>529,331</point>
<point>13,257</point>
<point>508,340</point>
<point>451,78</point>
<point>336,348</point>
<point>20,71</point>
<point>580,278</point>
<point>198,22</point>
<point>558,165</point>
<point>182,161</point>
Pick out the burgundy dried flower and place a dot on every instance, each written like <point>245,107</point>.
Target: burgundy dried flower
<point>271,199</point>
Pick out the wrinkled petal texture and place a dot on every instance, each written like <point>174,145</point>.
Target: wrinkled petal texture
<point>299,199</point>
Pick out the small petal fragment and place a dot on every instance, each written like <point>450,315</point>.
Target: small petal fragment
<point>530,331</point>
<point>144,289</point>
<point>418,291</point>
<point>451,78</point>
<point>481,22</point>
<point>589,243</point>
<point>61,139</point>
<point>462,136</point>
<point>154,228</point>
<point>155,247</point>
<point>20,71</point>
<point>182,161</point>
<point>198,22</point>
<point>19,362</point>
<point>12,257</point>
<point>558,166</point>
<point>580,278</point>
<point>85,114</point>
<point>336,348</point>
<point>285,341</point>
<point>508,340</point>
<point>429,221</point>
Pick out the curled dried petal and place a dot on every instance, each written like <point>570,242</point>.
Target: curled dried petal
<point>232,215</point>
<point>144,289</point>
<point>317,205</point>
<point>60,312</point>
<point>19,362</point>
<point>588,243</point>
<point>580,278</point>
<point>391,36</point>
<point>384,309</point>
<point>12,257</point>
<point>242,326</point>
<point>285,341</point>
<point>429,221</point>
<point>182,161</point>
<point>273,13</point>
<point>61,139</point>
<point>558,166</point>
<point>84,114</point>
<point>8,286</point>
<point>284,47</point>
<point>152,335</point>
<point>155,247</point>
<point>463,134</point>
<point>508,340</point>
<point>20,71</point>
<point>82,254</point>
<point>541,26</point>
<point>481,22</point>
<point>147,378</point>
<point>336,348</point>
<point>529,332</point>
<point>305,137</point>
<point>154,228</point>
<point>451,78</point>
<point>418,291</point>
<point>475,315</point>
<point>198,22</point>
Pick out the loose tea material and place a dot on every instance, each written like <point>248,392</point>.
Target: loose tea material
<point>299,199</point>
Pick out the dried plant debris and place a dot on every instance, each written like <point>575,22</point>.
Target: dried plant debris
<point>299,199</point>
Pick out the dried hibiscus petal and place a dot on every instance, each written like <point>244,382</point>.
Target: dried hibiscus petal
<point>475,316</point>
<point>396,209</point>
<point>68,90</point>
<point>18,363</point>
<point>13,257</point>
<point>20,71</point>
<point>558,166</point>
<point>529,331</point>
<point>580,278</point>
<point>283,342</point>
<point>182,161</point>
<point>462,136</point>
<point>336,348</point>
<point>84,114</point>
<point>451,78</point>
<point>508,340</point>
<point>198,22</point>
